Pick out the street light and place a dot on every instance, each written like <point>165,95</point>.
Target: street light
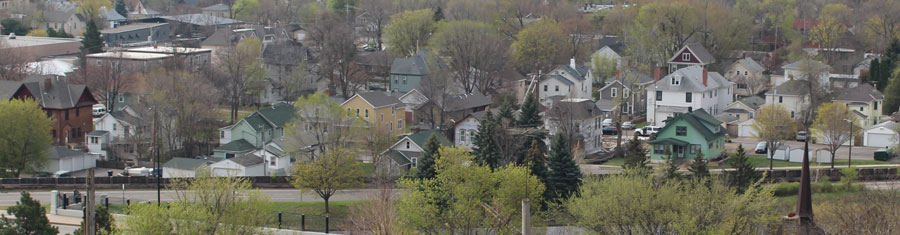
<point>850,150</point>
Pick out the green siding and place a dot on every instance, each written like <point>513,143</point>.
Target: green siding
<point>693,136</point>
<point>412,81</point>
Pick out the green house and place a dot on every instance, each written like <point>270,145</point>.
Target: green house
<point>254,131</point>
<point>687,133</point>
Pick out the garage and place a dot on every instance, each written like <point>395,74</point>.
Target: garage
<point>745,129</point>
<point>881,135</point>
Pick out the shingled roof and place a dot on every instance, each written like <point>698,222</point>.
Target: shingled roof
<point>791,87</point>
<point>377,99</point>
<point>691,80</point>
<point>706,124</point>
<point>751,65</point>
<point>59,94</point>
<point>700,53</point>
<point>862,93</point>
<point>247,160</point>
<point>285,53</point>
<point>414,65</point>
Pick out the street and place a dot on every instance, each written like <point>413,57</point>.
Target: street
<point>859,152</point>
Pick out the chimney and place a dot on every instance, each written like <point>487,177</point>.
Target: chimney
<point>47,83</point>
<point>617,74</point>
<point>572,63</point>
<point>705,77</point>
<point>655,73</point>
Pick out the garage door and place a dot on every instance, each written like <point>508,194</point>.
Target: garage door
<point>879,140</point>
<point>746,131</point>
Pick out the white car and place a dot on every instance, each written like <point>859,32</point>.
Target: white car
<point>627,125</point>
<point>647,130</point>
<point>98,110</point>
<point>607,122</point>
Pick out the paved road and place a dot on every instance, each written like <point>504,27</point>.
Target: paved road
<point>278,195</point>
<point>883,185</point>
<point>859,153</point>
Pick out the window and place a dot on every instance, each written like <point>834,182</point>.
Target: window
<point>95,140</point>
<point>461,136</point>
<point>415,162</point>
<point>613,92</point>
<point>222,133</point>
<point>876,105</point>
<point>687,97</point>
<point>861,108</point>
<point>792,114</point>
<point>545,87</point>
<point>381,118</point>
<point>121,98</point>
<point>694,148</point>
<point>357,112</point>
<point>659,149</point>
<point>471,135</point>
<point>53,133</point>
<point>557,87</point>
<point>404,80</point>
<point>658,95</point>
<point>76,112</point>
<point>229,155</point>
<point>114,126</point>
<point>273,161</point>
<point>67,114</point>
<point>367,113</point>
<point>742,86</point>
<point>399,124</point>
<point>49,114</point>
<point>407,144</point>
<point>781,99</point>
<point>745,73</point>
<point>625,93</point>
<point>686,56</point>
<point>681,131</point>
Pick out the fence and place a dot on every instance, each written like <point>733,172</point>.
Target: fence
<point>314,223</point>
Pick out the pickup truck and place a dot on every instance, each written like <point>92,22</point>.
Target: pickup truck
<point>647,130</point>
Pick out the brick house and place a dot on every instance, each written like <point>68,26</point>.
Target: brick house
<point>69,105</point>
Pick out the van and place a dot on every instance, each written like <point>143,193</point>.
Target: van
<point>98,110</point>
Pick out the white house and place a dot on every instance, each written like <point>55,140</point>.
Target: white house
<point>748,75</point>
<point>792,95</point>
<point>245,165</point>
<point>566,81</point>
<point>277,162</point>
<point>581,115</point>
<point>796,71</point>
<point>611,47</point>
<point>184,167</point>
<point>882,135</point>
<point>686,90</point>
<point>464,131</point>
<point>62,159</point>
<point>97,143</point>
<point>408,150</point>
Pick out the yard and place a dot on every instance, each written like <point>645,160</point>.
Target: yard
<point>760,161</point>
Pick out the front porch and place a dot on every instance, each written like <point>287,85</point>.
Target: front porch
<point>676,147</point>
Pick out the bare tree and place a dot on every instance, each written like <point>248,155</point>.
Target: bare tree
<point>241,65</point>
<point>336,43</point>
<point>377,140</point>
<point>109,78</point>
<point>181,100</point>
<point>435,88</point>
<point>514,15</point>
<point>474,52</point>
<point>580,33</point>
<point>378,14</point>
<point>321,125</point>
<point>13,63</point>
<point>377,215</point>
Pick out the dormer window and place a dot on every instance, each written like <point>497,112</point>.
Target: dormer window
<point>676,80</point>
<point>686,56</point>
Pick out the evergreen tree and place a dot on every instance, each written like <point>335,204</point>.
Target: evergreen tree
<point>537,164</point>
<point>635,156</point>
<point>29,218</point>
<point>565,176</point>
<point>744,174</point>
<point>872,76</point>
<point>105,224</point>
<point>487,152</point>
<point>698,167</point>
<point>892,94</point>
<point>438,14</point>
<point>507,114</point>
<point>530,115</point>
<point>120,8</point>
<point>51,33</point>
<point>431,154</point>
<point>672,169</point>
<point>92,42</point>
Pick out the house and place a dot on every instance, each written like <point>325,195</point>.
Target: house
<point>68,20</point>
<point>792,95</point>
<point>579,115</point>
<point>34,48</point>
<point>845,63</point>
<point>222,38</point>
<point>254,131</point>
<point>620,87</point>
<point>126,134</point>
<point>112,18</point>
<point>796,71</point>
<point>282,66</point>
<point>130,61</point>
<point>248,164</point>
<point>686,134</point>
<point>882,135</point>
<point>692,54</point>
<point>278,163</point>
<point>612,48</point>
<point>98,143</point>
<point>566,81</point>
<point>377,65</point>
<point>69,105</point>
<point>199,25</point>
<point>864,101</point>
<point>62,159</point>
<point>408,150</point>
<point>464,130</point>
<point>217,10</point>
<point>378,109</point>
<point>407,73</point>
<point>686,90</point>
<point>194,58</point>
<point>137,11</point>
<point>139,34</point>
<point>738,112</point>
<point>179,167</point>
<point>749,77</point>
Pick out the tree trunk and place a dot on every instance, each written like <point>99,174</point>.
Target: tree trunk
<point>832,159</point>
<point>326,205</point>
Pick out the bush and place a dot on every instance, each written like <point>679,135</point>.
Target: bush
<point>791,189</point>
<point>786,189</point>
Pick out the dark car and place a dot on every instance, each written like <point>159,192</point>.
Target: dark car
<point>610,130</point>
<point>43,174</point>
<point>761,148</point>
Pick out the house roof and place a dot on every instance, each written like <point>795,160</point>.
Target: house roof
<point>126,117</point>
<point>112,15</point>
<point>753,102</point>
<point>691,80</point>
<point>862,93</point>
<point>132,27</point>
<point>216,7</point>
<point>375,58</point>
<point>562,79</point>
<point>751,65</point>
<point>58,16</point>
<point>699,52</point>
<point>891,125</point>
<point>60,95</point>
<point>60,152</point>
<point>240,145</point>
<point>580,72</point>
<point>579,110</point>
<point>285,53</point>
<point>697,119</point>
<point>726,118</point>
<point>413,65</point>
<point>670,141</point>
<point>403,157</point>
<point>802,64</point>
<point>422,137</point>
<point>791,87</point>
<point>97,133</point>
<point>201,19</point>
<point>859,114</point>
<point>606,105</point>
<point>186,163</point>
<point>8,89</point>
<point>279,114</point>
<point>617,44</point>
<point>377,99</point>
<point>257,121</point>
<point>247,160</point>
<point>468,101</point>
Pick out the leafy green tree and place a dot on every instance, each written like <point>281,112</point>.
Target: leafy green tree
<point>30,218</point>
<point>635,203</point>
<point>672,165</point>
<point>429,157</point>
<point>487,152</point>
<point>13,26</point>
<point>539,46</point>
<point>336,170</point>
<point>743,174</point>
<point>120,8</point>
<point>773,125</point>
<point>831,124</point>
<point>635,155</point>
<point>24,136</point>
<point>565,176</point>
<point>466,199</point>
<point>92,42</point>
<point>409,31</point>
<point>341,6</point>
<point>105,224</point>
<point>698,167</point>
<point>530,113</point>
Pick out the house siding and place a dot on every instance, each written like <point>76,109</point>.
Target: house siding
<point>693,136</point>
<point>404,82</point>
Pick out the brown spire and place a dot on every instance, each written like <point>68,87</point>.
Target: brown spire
<point>804,204</point>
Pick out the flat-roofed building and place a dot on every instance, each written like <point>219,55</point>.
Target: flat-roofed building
<point>132,61</point>
<point>141,34</point>
<point>38,47</point>
<point>195,58</point>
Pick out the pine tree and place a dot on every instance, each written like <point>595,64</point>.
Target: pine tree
<point>537,164</point>
<point>431,154</point>
<point>565,176</point>
<point>92,42</point>
<point>487,152</point>
<point>105,224</point>
<point>744,174</point>
<point>120,8</point>
<point>635,156</point>
<point>530,116</point>
<point>698,167</point>
<point>507,114</point>
<point>29,218</point>
<point>874,73</point>
<point>672,169</point>
<point>438,14</point>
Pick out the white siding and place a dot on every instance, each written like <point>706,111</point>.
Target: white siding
<point>469,124</point>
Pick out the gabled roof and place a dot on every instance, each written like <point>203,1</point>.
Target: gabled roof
<point>753,102</point>
<point>60,94</point>
<point>580,72</point>
<point>800,64</point>
<point>468,101</point>
<point>890,125</point>
<point>126,117</point>
<point>751,65</point>
<point>862,93</point>
<point>60,152</point>
<point>616,44</point>
<point>97,133</point>
<point>422,137</point>
<point>699,52</point>
<point>186,163</point>
<point>112,15</point>
<point>247,160</point>
<point>8,89</point>
<point>697,119</point>
<point>279,114</point>
<point>58,16</point>
<point>376,99</point>
<point>691,80</point>
<point>579,110</point>
<point>413,65</point>
<point>790,87</point>
<point>216,7</point>
<point>240,145</point>
<point>401,157</point>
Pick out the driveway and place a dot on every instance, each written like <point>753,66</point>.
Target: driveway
<point>859,153</point>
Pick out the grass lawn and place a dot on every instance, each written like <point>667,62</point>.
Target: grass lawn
<point>615,162</point>
<point>337,209</point>
<point>45,206</point>
<point>760,161</point>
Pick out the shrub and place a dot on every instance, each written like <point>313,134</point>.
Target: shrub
<point>786,189</point>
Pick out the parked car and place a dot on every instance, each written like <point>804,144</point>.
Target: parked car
<point>43,174</point>
<point>761,148</point>
<point>647,130</point>
<point>60,174</point>
<point>801,136</point>
<point>610,130</point>
<point>371,46</point>
<point>607,122</point>
<point>627,125</point>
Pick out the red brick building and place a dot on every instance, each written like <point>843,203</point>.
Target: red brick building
<point>69,105</point>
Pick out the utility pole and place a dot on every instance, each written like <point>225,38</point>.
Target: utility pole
<point>157,169</point>
<point>89,221</point>
<point>526,216</point>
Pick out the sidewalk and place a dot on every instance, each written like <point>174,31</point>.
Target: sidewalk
<point>54,219</point>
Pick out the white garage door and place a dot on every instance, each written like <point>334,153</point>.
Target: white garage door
<point>746,131</point>
<point>879,140</point>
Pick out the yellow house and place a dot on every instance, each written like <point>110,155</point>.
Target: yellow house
<point>864,101</point>
<point>379,110</point>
